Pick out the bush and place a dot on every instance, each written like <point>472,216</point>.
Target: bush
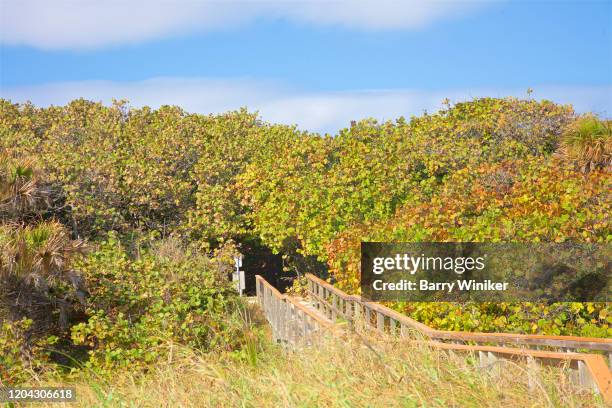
<point>310,189</point>
<point>18,362</point>
<point>527,200</point>
<point>138,308</point>
<point>475,171</point>
<point>138,170</point>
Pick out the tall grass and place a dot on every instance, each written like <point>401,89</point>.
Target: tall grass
<point>336,373</point>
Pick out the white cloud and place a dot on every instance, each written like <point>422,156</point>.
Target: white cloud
<point>277,102</point>
<point>84,24</point>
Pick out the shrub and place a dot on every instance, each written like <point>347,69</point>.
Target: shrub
<point>526,200</point>
<point>475,171</point>
<point>17,363</point>
<point>310,189</point>
<point>139,307</point>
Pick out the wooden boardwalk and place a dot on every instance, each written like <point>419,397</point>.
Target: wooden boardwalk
<point>299,322</point>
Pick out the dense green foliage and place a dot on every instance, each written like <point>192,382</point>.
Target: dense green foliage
<point>131,180</point>
<point>317,189</point>
<point>106,309</point>
<point>139,308</point>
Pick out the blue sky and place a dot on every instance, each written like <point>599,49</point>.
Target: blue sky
<point>315,63</point>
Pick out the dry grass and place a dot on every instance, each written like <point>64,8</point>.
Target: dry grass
<point>334,374</point>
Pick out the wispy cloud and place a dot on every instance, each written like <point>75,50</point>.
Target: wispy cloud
<point>93,23</point>
<point>280,103</point>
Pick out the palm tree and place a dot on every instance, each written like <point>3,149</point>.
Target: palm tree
<point>35,255</point>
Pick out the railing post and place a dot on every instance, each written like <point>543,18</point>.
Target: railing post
<point>265,303</point>
<point>334,314</point>
<point>304,327</point>
<point>532,370</point>
<point>275,317</point>
<point>380,322</point>
<point>272,320</point>
<point>348,313</point>
<point>324,301</point>
<point>294,332</point>
<point>392,326</point>
<point>493,367</point>
<point>322,307</point>
<point>270,305</point>
<point>584,377</point>
<point>357,315</point>
<point>281,323</point>
<point>284,320</point>
<point>482,359</point>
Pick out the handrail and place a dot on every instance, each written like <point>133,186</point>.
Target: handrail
<point>591,369</point>
<point>291,321</point>
<point>529,340</point>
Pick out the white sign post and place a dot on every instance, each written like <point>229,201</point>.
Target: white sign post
<point>238,275</point>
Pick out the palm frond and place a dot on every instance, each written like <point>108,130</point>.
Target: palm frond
<point>587,144</point>
<point>21,191</point>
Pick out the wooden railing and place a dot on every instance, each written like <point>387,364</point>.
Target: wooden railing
<point>292,323</point>
<point>334,303</point>
<point>588,370</point>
